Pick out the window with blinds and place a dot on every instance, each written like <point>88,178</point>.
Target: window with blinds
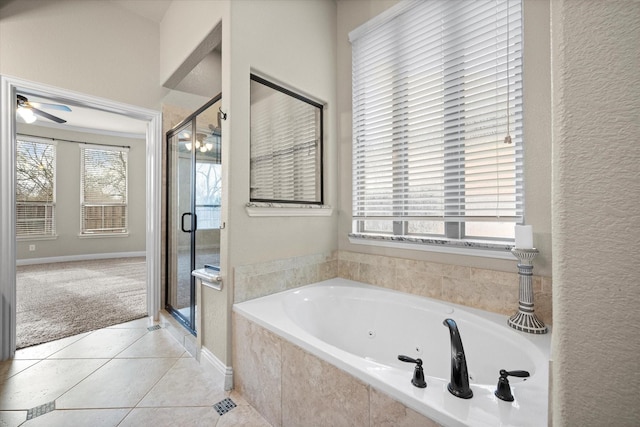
<point>286,145</point>
<point>437,122</point>
<point>103,190</point>
<point>35,187</point>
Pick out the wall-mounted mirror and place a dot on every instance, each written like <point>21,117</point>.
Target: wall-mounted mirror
<point>286,145</point>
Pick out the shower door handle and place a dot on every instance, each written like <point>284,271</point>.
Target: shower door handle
<point>182,222</point>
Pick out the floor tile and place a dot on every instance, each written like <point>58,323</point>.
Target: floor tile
<point>82,417</point>
<point>123,375</point>
<point>242,416</point>
<point>12,418</point>
<point>102,343</point>
<point>42,351</point>
<point>143,323</point>
<point>119,383</point>
<point>44,382</point>
<point>175,417</point>
<point>186,384</point>
<point>158,343</point>
<point>10,367</point>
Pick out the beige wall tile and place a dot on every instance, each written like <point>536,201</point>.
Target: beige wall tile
<point>378,274</point>
<point>302,275</point>
<point>253,281</point>
<point>456,271</point>
<point>486,296</point>
<point>257,364</point>
<point>424,267</point>
<point>491,276</point>
<point>418,283</point>
<point>348,269</point>
<point>328,270</point>
<point>387,412</point>
<point>316,393</point>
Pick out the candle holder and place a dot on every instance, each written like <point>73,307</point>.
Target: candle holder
<point>525,319</point>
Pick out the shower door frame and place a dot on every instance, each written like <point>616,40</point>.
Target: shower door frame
<point>189,324</point>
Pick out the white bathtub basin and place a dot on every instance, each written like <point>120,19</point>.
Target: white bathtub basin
<point>362,329</point>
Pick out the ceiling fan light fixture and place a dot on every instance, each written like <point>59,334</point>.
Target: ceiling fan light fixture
<point>26,114</point>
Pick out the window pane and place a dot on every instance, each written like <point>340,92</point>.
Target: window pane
<point>104,190</point>
<point>495,230</point>
<point>437,88</point>
<point>432,228</point>
<point>208,194</point>
<point>35,187</point>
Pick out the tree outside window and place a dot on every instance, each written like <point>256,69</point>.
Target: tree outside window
<point>35,188</point>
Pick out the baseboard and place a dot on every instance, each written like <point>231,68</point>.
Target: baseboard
<point>225,371</point>
<point>82,257</point>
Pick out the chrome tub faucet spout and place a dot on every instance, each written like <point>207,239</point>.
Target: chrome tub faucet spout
<point>459,384</point>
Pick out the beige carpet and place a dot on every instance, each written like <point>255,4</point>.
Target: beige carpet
<point>63,299</point>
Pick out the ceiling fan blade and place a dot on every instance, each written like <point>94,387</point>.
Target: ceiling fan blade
<point>59,107</point>
<point>47,115</point>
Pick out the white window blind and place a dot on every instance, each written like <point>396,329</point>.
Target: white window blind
<point>103,189</point>
<point>35,187</point>
<point>437,86</point>
<point>286,150</point>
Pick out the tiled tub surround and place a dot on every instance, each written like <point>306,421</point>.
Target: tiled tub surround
<point>290,387</point>
<point>489,290</point>
<point>257,280</point>
<point>325,354</point>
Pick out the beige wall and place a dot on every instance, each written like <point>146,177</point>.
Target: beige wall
<point>596,203</point>
<point>293,43</point>
<point>68,243</point>
<point>537,136</point>
<point>92,47</point>
<point>186,25</point>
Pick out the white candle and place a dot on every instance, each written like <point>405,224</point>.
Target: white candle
<point>524,237</point>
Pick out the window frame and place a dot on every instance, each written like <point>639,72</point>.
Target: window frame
<point>47,206</point>
<point>319,172</point>
<point>454,234</point>
<point>103,232</point>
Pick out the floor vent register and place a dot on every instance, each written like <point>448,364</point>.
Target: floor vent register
<point>224,406</point>
<point>41,410</point>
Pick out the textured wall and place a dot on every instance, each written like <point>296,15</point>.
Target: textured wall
<point>596,201</point>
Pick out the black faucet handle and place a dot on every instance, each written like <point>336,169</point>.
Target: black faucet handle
<point>418,372</point>
<point>520,374</point>
<point>503,390</point>
<point>409,359</point>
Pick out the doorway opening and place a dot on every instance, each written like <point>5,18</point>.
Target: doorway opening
<point>10,87</point>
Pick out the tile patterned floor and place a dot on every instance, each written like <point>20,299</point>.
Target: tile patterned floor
<point>124,375</point>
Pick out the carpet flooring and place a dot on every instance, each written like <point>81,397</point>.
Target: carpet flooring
<point>63,299</point>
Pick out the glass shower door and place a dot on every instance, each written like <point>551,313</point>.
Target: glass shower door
<point>181,223</point>
<point>194,185</point>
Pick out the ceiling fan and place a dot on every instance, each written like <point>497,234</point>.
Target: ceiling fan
<point>28,110</point>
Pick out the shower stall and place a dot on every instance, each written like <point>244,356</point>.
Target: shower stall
<point>194,185</point>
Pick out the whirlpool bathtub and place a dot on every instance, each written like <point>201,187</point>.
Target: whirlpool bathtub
<point>361,329</point>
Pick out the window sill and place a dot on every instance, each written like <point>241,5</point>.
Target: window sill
<point>486,250</point>
<point>98,236</point>
<point>261,209</point>
<point>33,238</point>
